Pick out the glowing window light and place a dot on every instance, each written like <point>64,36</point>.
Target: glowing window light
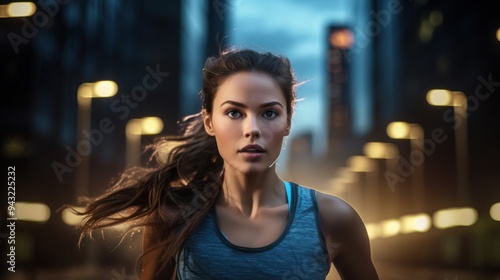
<point>32,212</point>
<point>21,9</point>
<point>71,218</point>
<point>453,217</point>
<point>498,34</point>
<point>390,227</point>
<point>415,223</point>
<point>373,230</point>
<point>342,39</point>
<point>495,211</point>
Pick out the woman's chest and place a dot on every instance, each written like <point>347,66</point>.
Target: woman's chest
<point>254,232</point>
<point>298,253</point>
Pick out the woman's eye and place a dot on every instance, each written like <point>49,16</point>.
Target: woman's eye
<point>233,114</point>
<point>270,114</point>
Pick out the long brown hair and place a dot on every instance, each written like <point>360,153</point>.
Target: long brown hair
<point>174,195</point>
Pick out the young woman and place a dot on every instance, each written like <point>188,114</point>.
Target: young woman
<point>216,209</point>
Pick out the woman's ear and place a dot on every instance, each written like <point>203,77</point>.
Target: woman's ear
<point>288,127</point>
<point>207,122</point>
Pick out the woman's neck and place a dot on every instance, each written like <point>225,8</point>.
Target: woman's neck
<point>248,193</point>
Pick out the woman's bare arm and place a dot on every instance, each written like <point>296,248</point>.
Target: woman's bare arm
<point>346,239</point>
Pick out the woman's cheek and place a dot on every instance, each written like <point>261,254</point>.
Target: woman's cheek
<point>279,128</point>
<point>273,133</point>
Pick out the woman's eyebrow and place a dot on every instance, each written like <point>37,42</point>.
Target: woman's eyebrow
<point>272,103</point>
<point>239,104</point>
<point>234,103</point>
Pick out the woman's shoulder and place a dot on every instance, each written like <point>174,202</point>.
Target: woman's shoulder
<point>341,225</point>
<point>334,206</point>
<point>345,237</point>
<point>336,214</point>
<point>331,204</point>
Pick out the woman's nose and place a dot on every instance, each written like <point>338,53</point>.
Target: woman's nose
<point>252,129</point>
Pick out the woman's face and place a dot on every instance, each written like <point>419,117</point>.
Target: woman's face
<point>248,120</point>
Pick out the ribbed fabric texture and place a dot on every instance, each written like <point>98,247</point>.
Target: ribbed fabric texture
<point>299,253</point>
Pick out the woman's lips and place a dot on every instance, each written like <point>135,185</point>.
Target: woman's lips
<point>251,155</point>
<point>252,152</point>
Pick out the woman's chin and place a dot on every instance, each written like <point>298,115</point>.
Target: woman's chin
<point>252,168</point>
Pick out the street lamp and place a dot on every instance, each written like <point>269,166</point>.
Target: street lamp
<point>381,150</point>
<point>453,217</point>
<point>415,133</point>
<point>85,93</point>
<point>458,100</point>
<point>390,153</point>
<point>495,211</point>
<point>17,9</point>
<point>133,131</point>
<point>362,164</point>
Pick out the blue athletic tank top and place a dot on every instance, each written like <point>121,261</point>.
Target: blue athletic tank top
<point>299,253</point>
